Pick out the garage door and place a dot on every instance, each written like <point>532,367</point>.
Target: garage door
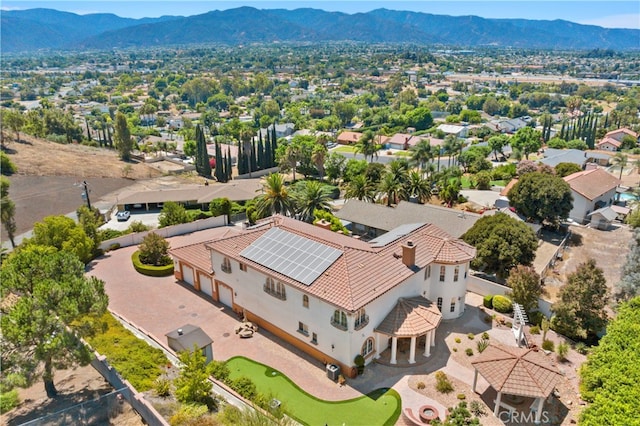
<point>205,284</point>
<point>226,295</point>
<point>187,274</point>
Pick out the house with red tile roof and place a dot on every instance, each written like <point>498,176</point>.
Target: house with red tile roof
<point>613,139</point>
<point>334,296</point>
<point>349,138</point>
<point>592,189</point>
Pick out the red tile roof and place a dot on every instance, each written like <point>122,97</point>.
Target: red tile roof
<point>518,371</point>
<point>620,133</point>
<point>592,183</point>
<point>197,254</point>
<point>362,273</point>
<point>349,137</point>
<point>610,140</point>
<point>410,317</point>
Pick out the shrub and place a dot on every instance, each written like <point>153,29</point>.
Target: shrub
<point>6,165</point>
<point>8,400</point>
<point>534,329</point>
<point>154,250</point>
<point>488,319</point>
<point>113,246</point>
<point>421,385</point>
<point>469,351</point>
<point>547,345</point>
<point>461,396</point>
<point>189,414</point>
<point>535,317</point>
<point>162,387</point>
<point>219,370</point>
<point>455,349</point>
<point>485,335</point>
<point>359,362</point>
<point>245,387</point>
<point>482,345</point>
<point>502,304</point>
<point>509,324</point>
<point>471,336</point>
<point>138,226</point>
<point>581,348</point>
<point>150,270</point>
<point>487,301</point>
<point>458,340</point>
<point>477,409</point>
<point>562,350</point>
<point>443,385</point>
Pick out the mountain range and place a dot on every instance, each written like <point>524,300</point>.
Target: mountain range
<point>48,29</point>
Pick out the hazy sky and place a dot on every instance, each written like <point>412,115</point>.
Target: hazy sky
<point>610,14</point>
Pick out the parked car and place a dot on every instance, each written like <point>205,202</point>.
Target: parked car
<point>123,216</point>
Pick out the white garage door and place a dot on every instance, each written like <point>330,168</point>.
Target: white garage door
<point>226,295</point>
<point>205,284</point>
<point>187,274</point>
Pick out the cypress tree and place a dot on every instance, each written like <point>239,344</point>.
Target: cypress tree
<point>261,164</point>
<point>253,166</point>
<point>267,153</point>
<point>274,147</point>
<point>229,167</point>
<point>563,130</point>
<point>219,164</point>
<point>240,163</point>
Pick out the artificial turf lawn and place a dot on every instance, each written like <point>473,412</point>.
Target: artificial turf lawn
<point>380,407</point>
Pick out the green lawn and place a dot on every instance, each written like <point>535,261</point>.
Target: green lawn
<point>345,148</point>
<point>381,407</point>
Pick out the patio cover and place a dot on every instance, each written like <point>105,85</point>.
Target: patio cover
<point>517,371</point>
<point>410,317</point>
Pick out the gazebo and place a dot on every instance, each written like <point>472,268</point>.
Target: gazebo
<point>517,371</point>
<point>411,318</point>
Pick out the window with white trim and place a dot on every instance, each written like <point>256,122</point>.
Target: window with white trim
<point>339,319</point>
<point>275,288</point>
<point>427,272</point>
<point>439,303</point>
<point>226,265</point>
<point>367,347</point>
<point>443,272</point>
<point>456,273</point>
<point>303,328</point>
<point>453,304</point>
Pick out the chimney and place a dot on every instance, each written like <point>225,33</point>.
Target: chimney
<point>409,254</point>
<point>324,224</point>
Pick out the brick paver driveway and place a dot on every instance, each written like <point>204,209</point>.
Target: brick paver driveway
<point>159,305</point>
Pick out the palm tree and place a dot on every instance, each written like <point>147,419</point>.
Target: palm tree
<point>418,187</point>
<point>621,161</point>
<point>393,183</point>
<point>421,153</point>
<point>449,147</point>
<point>317,156</point>
<point>291,157</point>
<point>360,188</point>
<point>275,198</point>
<point>309,196</point>
<point>367,146</point>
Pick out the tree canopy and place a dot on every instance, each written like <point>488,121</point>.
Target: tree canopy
<point>528,140</point>
<point>52,304</point>
<point>629,284</point>
<point>63,233</point>
<point>124,142</point>
<point>501,243</point>
<point>541,197</point>
<point>525,286</point>
<point>610,377</point>
<point>172,214</point>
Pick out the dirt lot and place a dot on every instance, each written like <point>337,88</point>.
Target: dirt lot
<point>80,385</point>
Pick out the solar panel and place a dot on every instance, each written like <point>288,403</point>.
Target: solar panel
<point>394,234</point>
<point>297,257</point>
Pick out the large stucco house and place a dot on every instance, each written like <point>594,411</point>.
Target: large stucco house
<point>334,296</point>
<point>592,189</point>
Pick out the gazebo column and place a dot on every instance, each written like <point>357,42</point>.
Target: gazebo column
<point>427,344</point>
<point>394,349</point>
<point>379,348</point>
<point>412,350</point>
<point>539,410</point>
<point>496,410</point>
<point>433,337</point>
<point>475,380</point>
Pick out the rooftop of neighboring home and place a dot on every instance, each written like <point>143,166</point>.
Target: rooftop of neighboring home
<point>349,137</point>
<point>350,273</point>
<point>378,216</point>
<point>404,138</point>
<point>592,183</point>
<point>618,134</point>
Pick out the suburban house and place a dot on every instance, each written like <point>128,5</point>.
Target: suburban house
<point>592,190</point>
<point>349,138</point>
<point>402,141</point>
<point>282,130</point>
<point>553,157</point>
<point>334,296</point>
<point>613,140</point>
<point>459,132</point>
<point>371,220</point>
<point>510,125</point>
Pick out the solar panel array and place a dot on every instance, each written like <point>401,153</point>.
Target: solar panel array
<point>395,234</point>
<point>298,258</point>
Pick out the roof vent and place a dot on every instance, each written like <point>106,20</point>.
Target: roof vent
<point>179,332</point>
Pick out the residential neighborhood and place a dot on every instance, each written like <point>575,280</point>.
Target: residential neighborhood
<point>318,233</point>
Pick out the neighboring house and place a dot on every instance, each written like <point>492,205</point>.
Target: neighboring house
<point>334,296</point>
<point>402,141</point>
<point>510,125</point>
<point>613,139</point>
<point>460,132</point>
<point>372,220</point>
<point>349,138</point>
<point>592,189</point>
<point>282,130</point>
<point>510,211</point>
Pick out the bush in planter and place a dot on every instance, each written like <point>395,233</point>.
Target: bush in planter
<point>150,270</point>
<point>359,362</point>
<point>443,385</point>
<point>487,301</point>
<point>547,345</point>
<point>502,304</point>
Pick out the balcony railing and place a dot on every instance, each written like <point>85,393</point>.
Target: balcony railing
<point>277,295</point>
<point>226,268</point>
<point>362,322</point>
<point>338,325</point>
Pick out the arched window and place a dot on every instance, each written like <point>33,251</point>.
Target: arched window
<point>440,304</point>
<point>367,347</point>
<point>305,300</point>
<point>226,265</point>
<point>339,319</point>
<point>362,319</point>
<point>275,288</point>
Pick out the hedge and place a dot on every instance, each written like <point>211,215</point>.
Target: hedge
<point>502,304</point>
<point>487,301</point>
<point>150,270</point>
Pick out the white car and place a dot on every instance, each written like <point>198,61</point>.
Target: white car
<point>123,216</point>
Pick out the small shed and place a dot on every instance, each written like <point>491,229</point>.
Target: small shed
<point>602,218</point>
<point>185,337</point>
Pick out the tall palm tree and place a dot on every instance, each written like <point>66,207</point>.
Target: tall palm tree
<point>418,187</point>
<point>390,187</point>
<point>360,188</point>
<point>275,197</point>
<point>309,196</point>
<point>318,156</point>
<point>621,161</point>
<point>393,183</point>
<point>421,153</point>
<point>449,147</point>
<point>367,145</point>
